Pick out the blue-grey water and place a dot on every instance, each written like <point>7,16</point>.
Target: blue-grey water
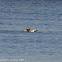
<point>42,46</point>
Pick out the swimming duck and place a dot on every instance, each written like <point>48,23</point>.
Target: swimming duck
<point>29,30</point>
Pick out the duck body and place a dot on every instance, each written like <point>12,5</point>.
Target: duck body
<point>29,30</point>
<point>33,31</point>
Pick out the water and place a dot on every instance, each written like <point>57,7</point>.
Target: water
<point>42,46</point>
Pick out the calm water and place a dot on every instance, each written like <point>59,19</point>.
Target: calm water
<point>42,46</point>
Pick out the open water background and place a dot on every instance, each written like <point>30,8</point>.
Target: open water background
<point>43,15</point>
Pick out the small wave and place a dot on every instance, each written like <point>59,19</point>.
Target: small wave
<point>8,31</point>
<point>1,23</point>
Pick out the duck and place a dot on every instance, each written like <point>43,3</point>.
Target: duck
<point>29,30</point>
